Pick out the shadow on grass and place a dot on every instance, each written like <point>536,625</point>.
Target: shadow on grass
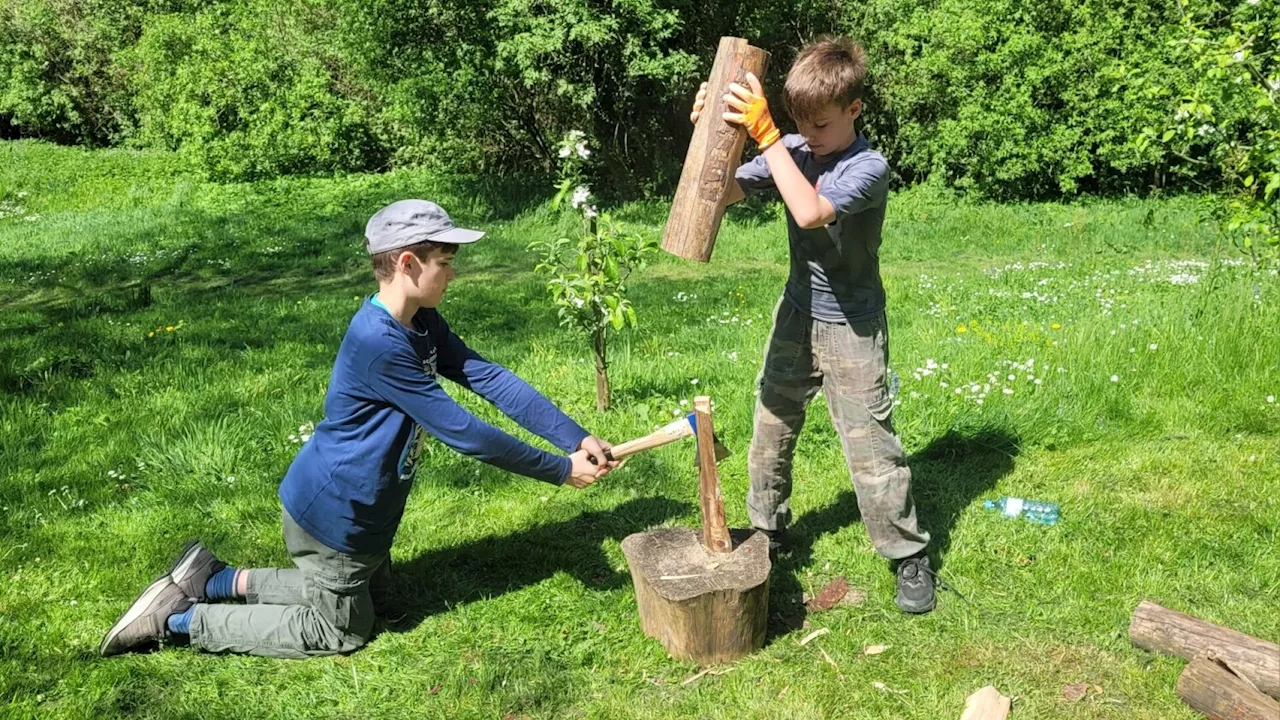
<point>947,476</point>
<point>438,580</point>
<point>65,325</point>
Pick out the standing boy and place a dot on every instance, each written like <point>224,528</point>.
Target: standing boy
<point>829,329</point>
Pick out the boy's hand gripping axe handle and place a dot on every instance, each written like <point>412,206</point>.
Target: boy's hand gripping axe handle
<point>676,430</point>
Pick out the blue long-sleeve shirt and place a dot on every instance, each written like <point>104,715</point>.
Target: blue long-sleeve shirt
<point>348,485</point>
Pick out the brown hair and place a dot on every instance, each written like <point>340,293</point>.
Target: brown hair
<point>384,263</point>
<point>829,71</point>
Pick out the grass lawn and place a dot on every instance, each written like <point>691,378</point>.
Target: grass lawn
<point>163,341</point>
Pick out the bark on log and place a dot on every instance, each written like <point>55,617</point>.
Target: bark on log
<point>1160,629</point>
<point>713,156</point>
<point>1212,689</point>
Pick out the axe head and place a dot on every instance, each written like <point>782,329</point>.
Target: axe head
<point>721,452</point>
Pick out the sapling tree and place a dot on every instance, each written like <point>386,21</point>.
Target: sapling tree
<point>588,273</point>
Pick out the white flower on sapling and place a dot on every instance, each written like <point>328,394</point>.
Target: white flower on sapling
<point>564,151</point>
<point>583,152</point>
<point>581,195</point>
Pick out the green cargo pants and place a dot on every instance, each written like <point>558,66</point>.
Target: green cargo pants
<point>322,607</point>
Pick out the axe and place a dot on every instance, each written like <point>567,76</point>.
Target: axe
<point>667,434</point>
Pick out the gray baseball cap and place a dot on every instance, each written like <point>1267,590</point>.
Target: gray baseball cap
<point>409,222</point>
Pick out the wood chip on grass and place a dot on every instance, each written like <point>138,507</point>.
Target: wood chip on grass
<point>704,673</point>
<point>831,594</point>
<point>815,634</point>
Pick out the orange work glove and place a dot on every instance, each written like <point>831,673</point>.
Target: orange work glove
<point>752,112</point>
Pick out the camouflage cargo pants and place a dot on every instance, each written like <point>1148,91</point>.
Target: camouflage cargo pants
<point>849,363</point>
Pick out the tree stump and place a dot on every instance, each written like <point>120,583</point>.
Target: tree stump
<point>1157,628</point>
<point>704,606</point>
<point>703,595</point>
<point>714,153</point>
<point>1209,688</point>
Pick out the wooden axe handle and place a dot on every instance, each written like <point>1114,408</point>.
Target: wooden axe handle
<point>676,430</point>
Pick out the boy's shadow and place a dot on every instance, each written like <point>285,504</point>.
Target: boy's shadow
<point>946,477</point>
<point>437,580</point>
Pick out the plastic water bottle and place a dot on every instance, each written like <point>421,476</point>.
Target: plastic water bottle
<point>1045,513</point>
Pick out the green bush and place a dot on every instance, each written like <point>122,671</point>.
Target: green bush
<point>251,90</point>
<point>1018,99</point>
<point>58,74</point>
<point>1004,98</point>
<point>1226,125</point>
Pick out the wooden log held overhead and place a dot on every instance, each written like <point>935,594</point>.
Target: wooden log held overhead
<point>713,156</point>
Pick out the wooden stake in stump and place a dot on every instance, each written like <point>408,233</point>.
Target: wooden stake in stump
<point>715,532</point>
<point>703,598</point>
<point>1163,630</point>
<point>714,153</point>
<point>1210,688</point>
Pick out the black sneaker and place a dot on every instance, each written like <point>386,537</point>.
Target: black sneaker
<point>915,585</point>
<point>193,568</point>
<point>143,625</point>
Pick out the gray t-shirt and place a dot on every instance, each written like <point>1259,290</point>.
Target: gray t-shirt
<point>835,270</point>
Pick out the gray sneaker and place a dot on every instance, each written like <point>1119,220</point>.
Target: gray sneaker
<point>915,585</point>
<point>193,568</point>
<point>143,624</point>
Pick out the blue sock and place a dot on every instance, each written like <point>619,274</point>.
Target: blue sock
<point>180,623</point>
<point>221,585</point>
